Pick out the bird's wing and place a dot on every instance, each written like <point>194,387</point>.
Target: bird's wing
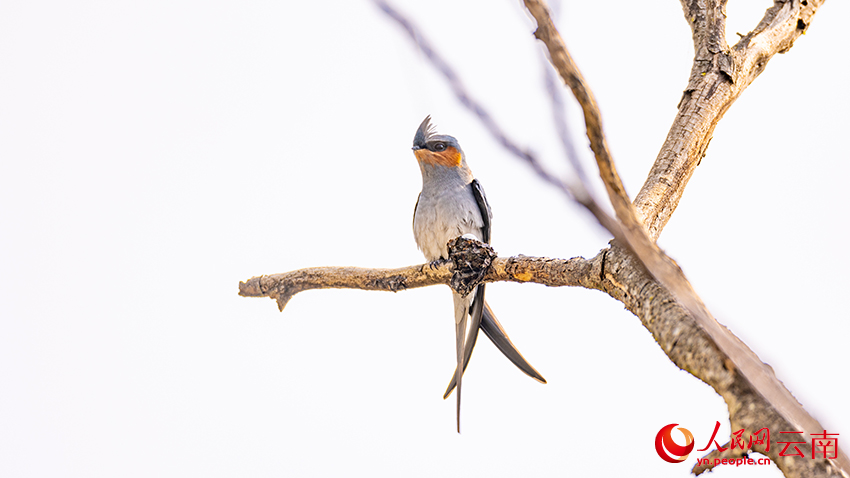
<point>484,208</point>
<point>416,206</point>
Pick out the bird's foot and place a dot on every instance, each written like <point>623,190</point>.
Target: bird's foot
<point>435,264</point>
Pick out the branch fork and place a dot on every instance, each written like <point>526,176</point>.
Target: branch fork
<point>633,270</point>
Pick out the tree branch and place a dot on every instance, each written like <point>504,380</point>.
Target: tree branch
<point>776,404</point>
<point>692,349</point>
<point>466,99</point>
<point>577,191</point>
<point>718,77</point>
<point>668,307</point>
<point>540,270</point>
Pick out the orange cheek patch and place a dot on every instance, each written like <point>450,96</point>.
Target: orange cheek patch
<point>450,157</point>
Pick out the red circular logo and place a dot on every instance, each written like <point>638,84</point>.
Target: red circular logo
<point>668,450</point>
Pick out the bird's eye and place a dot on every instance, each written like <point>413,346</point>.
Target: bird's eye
<point>440,147</point>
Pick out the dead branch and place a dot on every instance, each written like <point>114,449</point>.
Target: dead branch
<point>466,98</point>
<point>776,404</point>
<point>665,303</point>
<point>718,77</point>
<point>540,270</point>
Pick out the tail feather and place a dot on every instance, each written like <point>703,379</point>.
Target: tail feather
<point>461,306</point>
<point>496,333</point>
<point>475,313</point>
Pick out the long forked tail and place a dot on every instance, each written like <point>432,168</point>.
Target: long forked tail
<point>475,313</point>
<point>461,307</point>
<point>496,333</point>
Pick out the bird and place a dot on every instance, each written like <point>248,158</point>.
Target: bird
<point>452,203</point>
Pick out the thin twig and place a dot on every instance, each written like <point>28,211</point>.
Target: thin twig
<point>466,99</point>
<point>559,117</point>
<point>576,191</point>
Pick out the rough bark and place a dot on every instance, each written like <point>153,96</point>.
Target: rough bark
<point>633,270</point>
<point>540,270</point>
<point>719,75</point>
<point>754,395</point>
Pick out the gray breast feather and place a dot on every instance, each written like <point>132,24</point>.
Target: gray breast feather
<point>440,217</point>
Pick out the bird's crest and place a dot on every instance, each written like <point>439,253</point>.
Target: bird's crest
<point>424,133</point>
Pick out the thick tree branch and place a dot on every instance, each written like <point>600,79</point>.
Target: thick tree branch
<point>718,77</point>
<point>692,349</point>
<point>710,45</point>
<point>666,304</point>
<point>633,236</point>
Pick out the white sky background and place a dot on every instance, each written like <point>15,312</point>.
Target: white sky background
<point>153,155</point>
